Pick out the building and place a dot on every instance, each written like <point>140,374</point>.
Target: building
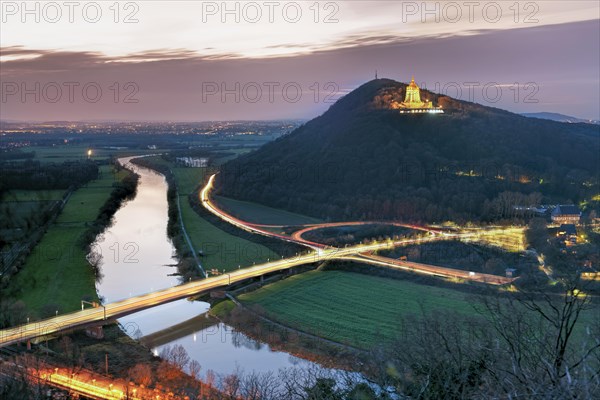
<point>510,272</point>
<point>566,214</point>
<point>567,233</point>
<point>193,162</point>
<point>412,101</point>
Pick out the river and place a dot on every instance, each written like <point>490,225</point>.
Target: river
<point>138,257</point>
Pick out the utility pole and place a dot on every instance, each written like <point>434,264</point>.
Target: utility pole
<point>106,363</point>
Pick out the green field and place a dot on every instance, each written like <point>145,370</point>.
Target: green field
<point>84,203</point>
<point>22,211</point>
<point>188,179</point>
<point>56,273</point>
<point>351,308</point>
<point>71,152</point>
<point>58,154</point>
<point>221,250</point>
<point>259,214</point>
<point>362,310</point>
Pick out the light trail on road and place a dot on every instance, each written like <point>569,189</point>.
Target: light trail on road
<point>317,253</point>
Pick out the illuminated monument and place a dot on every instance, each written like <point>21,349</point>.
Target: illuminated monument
<point>412,102</point>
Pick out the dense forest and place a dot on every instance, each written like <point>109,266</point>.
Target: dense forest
<point>363,160</point>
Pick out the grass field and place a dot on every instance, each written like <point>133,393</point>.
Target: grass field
<point>21,211</point>
<point>70,152</point>
<point>351,308</point>
<point>259,214</point>
<point>84,203</point>
<point>57,273</point>
<point>221,250</point>
<point>362,310</point>
<point>188,180</point>
<point>58,154</point>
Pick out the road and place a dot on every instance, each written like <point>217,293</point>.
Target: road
<point>365,256</point>
<point>252,228</point>
<point>120,308</point>
<point>428,269</point>
<point>298,235</point>
<point>317,253</point>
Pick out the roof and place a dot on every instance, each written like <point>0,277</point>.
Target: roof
<point>566,210</point>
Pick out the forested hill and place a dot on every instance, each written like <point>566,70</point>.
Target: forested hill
<point>363,160</point>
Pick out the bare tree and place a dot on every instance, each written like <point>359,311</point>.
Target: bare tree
<point>260,386</point>
<point>194,368</point>
<point>141,374</point>
<point>544,347</point>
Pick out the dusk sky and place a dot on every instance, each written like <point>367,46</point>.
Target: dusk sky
<point>161,61</point>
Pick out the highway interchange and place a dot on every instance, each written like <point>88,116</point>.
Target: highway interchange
<point>317,253</point>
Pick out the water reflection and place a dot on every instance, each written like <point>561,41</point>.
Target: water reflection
<point>223,350</point>
<point>137,257</point>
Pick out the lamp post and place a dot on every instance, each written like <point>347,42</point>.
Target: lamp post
<point>228,276</point>
<point>94,305</point>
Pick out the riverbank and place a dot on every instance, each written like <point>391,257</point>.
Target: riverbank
<point>189,265</point>
<point>218,245</point>
<point>57,274</point>
<point>253,322</point>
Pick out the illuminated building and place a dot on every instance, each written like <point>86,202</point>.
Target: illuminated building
<point>567,233</point>
<point>566,214</point>
<point>412,102</point>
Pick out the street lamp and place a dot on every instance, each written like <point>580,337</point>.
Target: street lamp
<point>95,305</point>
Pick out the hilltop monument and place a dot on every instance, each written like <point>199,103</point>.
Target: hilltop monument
<point>412,101</point>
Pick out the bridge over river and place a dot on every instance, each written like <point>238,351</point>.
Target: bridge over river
<point>316,254</point>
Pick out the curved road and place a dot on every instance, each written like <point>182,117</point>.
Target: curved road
<point>364,256</point>
<point>316,254</point>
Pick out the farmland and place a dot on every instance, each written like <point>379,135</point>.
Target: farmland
<point>259,214</point>
<point>351,308</point>
<point>56,274</point>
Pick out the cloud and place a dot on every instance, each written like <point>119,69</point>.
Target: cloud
<point>172,82</point>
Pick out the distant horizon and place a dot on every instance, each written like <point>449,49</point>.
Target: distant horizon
<point>182,69</point>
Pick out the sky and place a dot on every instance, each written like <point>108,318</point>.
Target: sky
<point>203,60</point>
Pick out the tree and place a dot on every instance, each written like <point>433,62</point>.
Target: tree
<point>537,234</point>
<point>141,374</point>
<point>194,368</point>
<point>538,351</point>
<point>323,389</point>
<point>176,356</point>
